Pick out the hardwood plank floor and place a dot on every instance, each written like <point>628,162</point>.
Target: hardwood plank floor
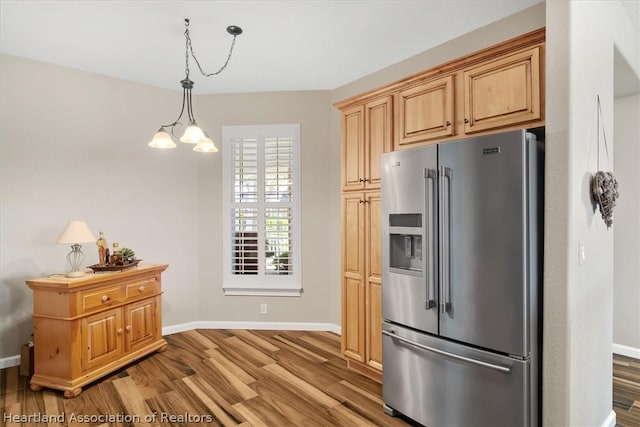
<point>214,377</point>
<point>246,378</point>
<point>626,391</point>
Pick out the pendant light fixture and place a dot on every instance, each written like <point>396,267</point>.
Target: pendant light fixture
<point>165,137</point>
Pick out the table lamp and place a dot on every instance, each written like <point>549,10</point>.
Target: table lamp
<point>75,232</point>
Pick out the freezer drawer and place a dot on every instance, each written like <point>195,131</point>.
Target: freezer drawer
<point>443,384</point>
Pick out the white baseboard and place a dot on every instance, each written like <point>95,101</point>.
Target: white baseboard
<point>626,351</point>
<point>276,326</point>
<point>610,421</point>
<point>7,362</point>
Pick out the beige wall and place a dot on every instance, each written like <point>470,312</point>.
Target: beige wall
<point>626,291</point>
<point>311,110</point>
<point>73,146</point>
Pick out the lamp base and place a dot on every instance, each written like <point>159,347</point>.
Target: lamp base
<point>75,274</point>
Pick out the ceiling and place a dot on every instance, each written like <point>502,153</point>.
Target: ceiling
<point>286,45</point>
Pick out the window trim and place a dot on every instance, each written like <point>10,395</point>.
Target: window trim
<point>261,284</point>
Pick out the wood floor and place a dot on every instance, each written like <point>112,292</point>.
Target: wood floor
<point>237,377</point>
<point>626,391</point>
<point>214,377</point>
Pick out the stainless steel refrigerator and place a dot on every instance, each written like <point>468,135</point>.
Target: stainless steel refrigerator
<point>461,281</point>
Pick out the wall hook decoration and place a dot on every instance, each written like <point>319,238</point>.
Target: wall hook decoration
<point>604,186</point>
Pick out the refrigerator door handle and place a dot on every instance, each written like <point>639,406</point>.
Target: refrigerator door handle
<point>447,295</point>
<point>444,249</point>
<point>498,368</point>
<point>430,175</point>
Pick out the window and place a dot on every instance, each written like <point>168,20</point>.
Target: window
<point>261,210</point>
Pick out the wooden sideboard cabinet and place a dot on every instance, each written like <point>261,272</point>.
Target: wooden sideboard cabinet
<point>87,327</point>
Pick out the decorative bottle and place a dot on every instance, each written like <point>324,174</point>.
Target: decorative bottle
<point>103,248</point>
<point>116,256</point>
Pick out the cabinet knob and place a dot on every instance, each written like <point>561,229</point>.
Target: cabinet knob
<point>361,180</point>
<point>448,123</point>
<point>128,328</point>
<point>141,289</point>
<point>466,120</point>
<point>119,331</point>
<point>105,298</point>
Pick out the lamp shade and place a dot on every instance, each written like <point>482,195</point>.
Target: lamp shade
<point>192,134</point>
<point>206,145</point>
<point>76,232</point>
<point>162,140</point>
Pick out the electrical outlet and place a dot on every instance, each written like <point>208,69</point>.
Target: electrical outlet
<point>263,308</point>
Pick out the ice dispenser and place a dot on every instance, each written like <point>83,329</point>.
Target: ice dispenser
<point>405,244</point>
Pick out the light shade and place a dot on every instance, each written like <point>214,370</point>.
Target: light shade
<point>192,134</point>
<point>76,232</point>
<point>162,140</point>
<point>206,145</point>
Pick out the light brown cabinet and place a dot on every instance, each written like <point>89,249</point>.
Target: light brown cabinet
<point>425,111</point>
<point>496,89</point>
<point>503,92</point>
<point>366,133</point>
<point>362,278</point>
<point>86,327</point>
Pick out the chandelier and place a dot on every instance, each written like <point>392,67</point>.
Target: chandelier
<point>165,137</point>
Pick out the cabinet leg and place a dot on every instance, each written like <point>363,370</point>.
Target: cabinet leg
<point>68,394</point>
<point>163,348</point>
<point>35,387</point>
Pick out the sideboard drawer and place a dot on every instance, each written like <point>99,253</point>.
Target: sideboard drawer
<point>100,298</point>
<point>143,288</point>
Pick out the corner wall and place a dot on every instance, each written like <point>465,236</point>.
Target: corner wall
<point>578,299</point>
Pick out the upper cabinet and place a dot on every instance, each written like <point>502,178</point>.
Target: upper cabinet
<point>425,111</point>
<point>493,90</point>
<point>366,133</point>
<point>503,92</point>
<point>353,148</point>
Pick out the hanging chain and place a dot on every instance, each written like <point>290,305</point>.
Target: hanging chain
<point>189,48</point>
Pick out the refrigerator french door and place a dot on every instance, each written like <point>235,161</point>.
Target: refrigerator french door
<point>461,280</point>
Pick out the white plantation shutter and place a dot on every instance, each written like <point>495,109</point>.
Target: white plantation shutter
<point>261,218</point>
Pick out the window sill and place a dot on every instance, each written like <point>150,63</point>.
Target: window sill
<point>268,292</point>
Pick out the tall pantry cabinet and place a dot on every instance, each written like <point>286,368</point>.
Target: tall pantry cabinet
<point>366,134</point>
<point>496,89</point>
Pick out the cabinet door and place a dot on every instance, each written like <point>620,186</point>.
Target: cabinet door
<point>353,309</point>
<point>503,92</point>
<point>141,323</point>
<point>101,338</point>
<point>353,148</point>
<point>425,111</point>
<point>373,294</point>
<point>377,138</point>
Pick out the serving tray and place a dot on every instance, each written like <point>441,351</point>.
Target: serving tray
<point>131,264</point>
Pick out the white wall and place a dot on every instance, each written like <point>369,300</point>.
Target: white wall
<point>578,311</point>
<point>626,292</point>
<point>73,146</point>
